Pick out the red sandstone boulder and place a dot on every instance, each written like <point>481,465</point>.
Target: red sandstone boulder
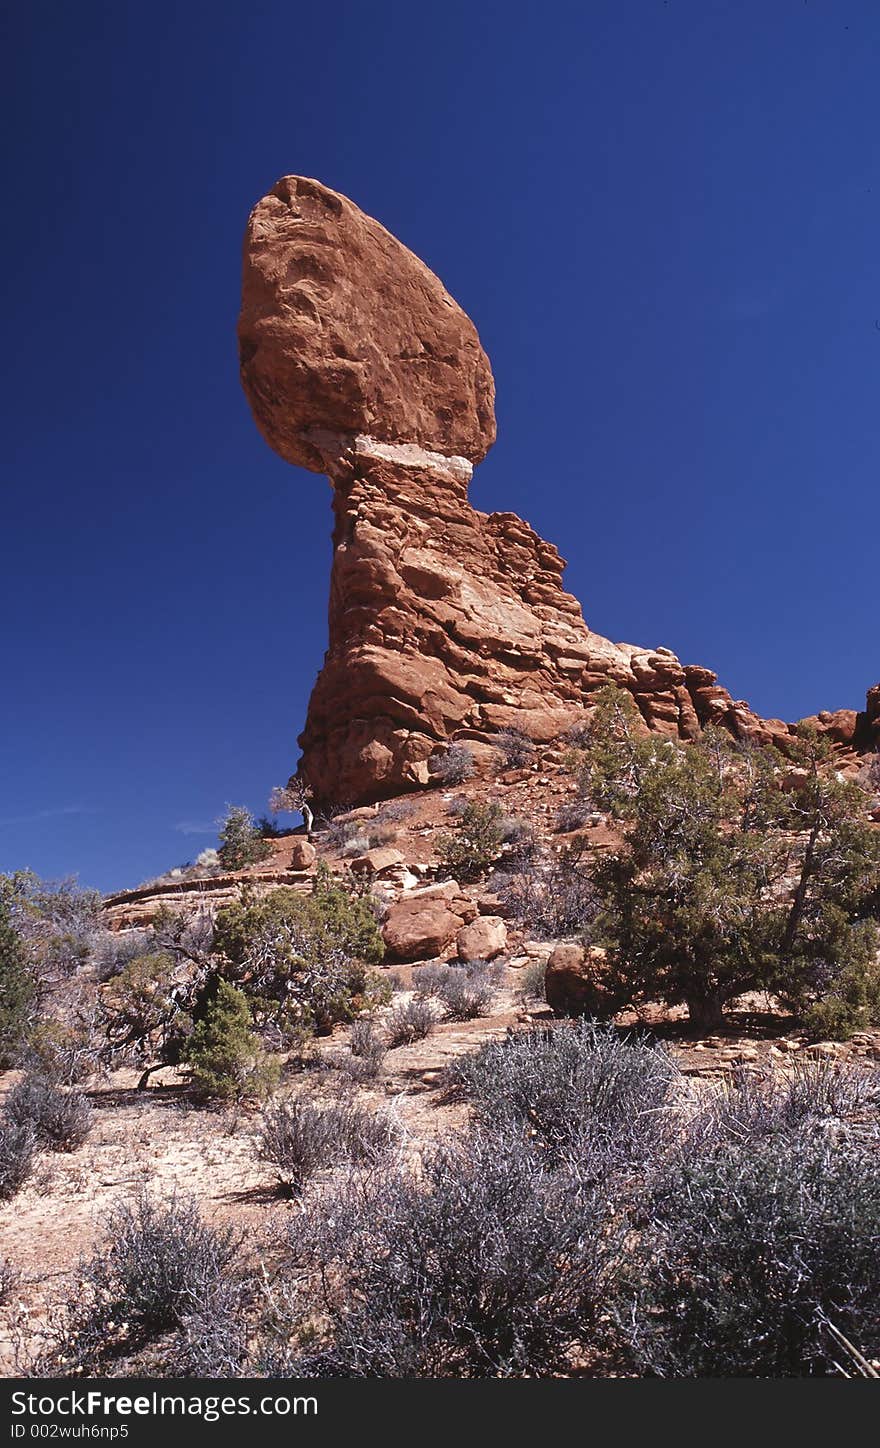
<point>376,861</point>
<point>576,982</point>
<point>344,331</point>
<point>302,855</point>
<point>418,930</point>
<point>483,939</point>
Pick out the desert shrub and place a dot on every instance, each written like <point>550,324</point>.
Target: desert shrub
<point>300,1139</point>
<point>454,766</point>
<point>355,845</point>
<point>531,981</point>
<point>579,735</point>
<point>303,960</point>
<point>573,814</point>
<point>410,1022</point>
<point>828,1089</point>
<point>114,950</point>
<point>484,1266</point>
<point>9,1280</point>
<point>515,750</point>
<point>748,1104</point>
<point>225,1058</point>
<point>522,839</point>
<point>57,921</point>
<point>367,1049</point>
<point>457,805</point>
<point>574,1092</point>
<point>869,774</point>
<point>60,1120</point>
<point>753,1246</point>
<point>17,1148</point>
<point>464,991</point>
<point>396,812</point>
<point>64,1052</point>
<point>475,843</point>
<point>551,900</point>
<point>18,986</point>
<point>429,979</point>
<point>336,830</point>
<point>241,841</point>
<point>160,1269</point>
<point>208,859</point>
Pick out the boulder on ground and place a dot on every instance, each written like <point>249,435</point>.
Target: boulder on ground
<point>419,928</point>
<point>483,939</point>
<point>373,862</point>
<point>576,982</point>
<point>302,855</point>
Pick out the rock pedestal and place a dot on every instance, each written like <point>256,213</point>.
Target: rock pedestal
<point>445,622</point>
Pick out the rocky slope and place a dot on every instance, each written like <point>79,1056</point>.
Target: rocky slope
<point>445,623</point>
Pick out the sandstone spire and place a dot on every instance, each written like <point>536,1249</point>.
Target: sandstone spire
<point>445,622</point>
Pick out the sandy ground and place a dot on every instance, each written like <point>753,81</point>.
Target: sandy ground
<point>158,1141</point>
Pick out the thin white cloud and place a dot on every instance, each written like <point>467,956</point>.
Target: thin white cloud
<point>196,827</point>
<point>48,814</point>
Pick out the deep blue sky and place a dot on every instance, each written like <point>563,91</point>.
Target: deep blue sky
<point>665,221</point>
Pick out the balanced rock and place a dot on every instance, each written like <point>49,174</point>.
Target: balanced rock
<point>445,622</point>
<point>343,331</point>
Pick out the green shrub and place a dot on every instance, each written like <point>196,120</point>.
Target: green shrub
<point>144,1011</point>
<point>728,879</point>
<point>226,1060</point>
<point>852,999</point>
<point>242,842</point>
<point>303,960</point>
<point>18,987</point>
<point>475,843</point>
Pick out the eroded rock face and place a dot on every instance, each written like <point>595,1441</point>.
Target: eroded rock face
<point>343,331</point>
<point>445,622</point>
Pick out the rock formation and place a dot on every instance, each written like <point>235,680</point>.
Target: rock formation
<point>445,622</point>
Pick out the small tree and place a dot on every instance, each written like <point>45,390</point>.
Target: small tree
<point>241,843</point>
<point>475,843</point>
<point>302,960</point>
<point>698,904</point>
<point>145,1012</point>
<point>295,798</point>
<point>226,1060</point>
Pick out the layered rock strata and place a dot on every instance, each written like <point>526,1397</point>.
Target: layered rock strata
<point>445,623</point>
